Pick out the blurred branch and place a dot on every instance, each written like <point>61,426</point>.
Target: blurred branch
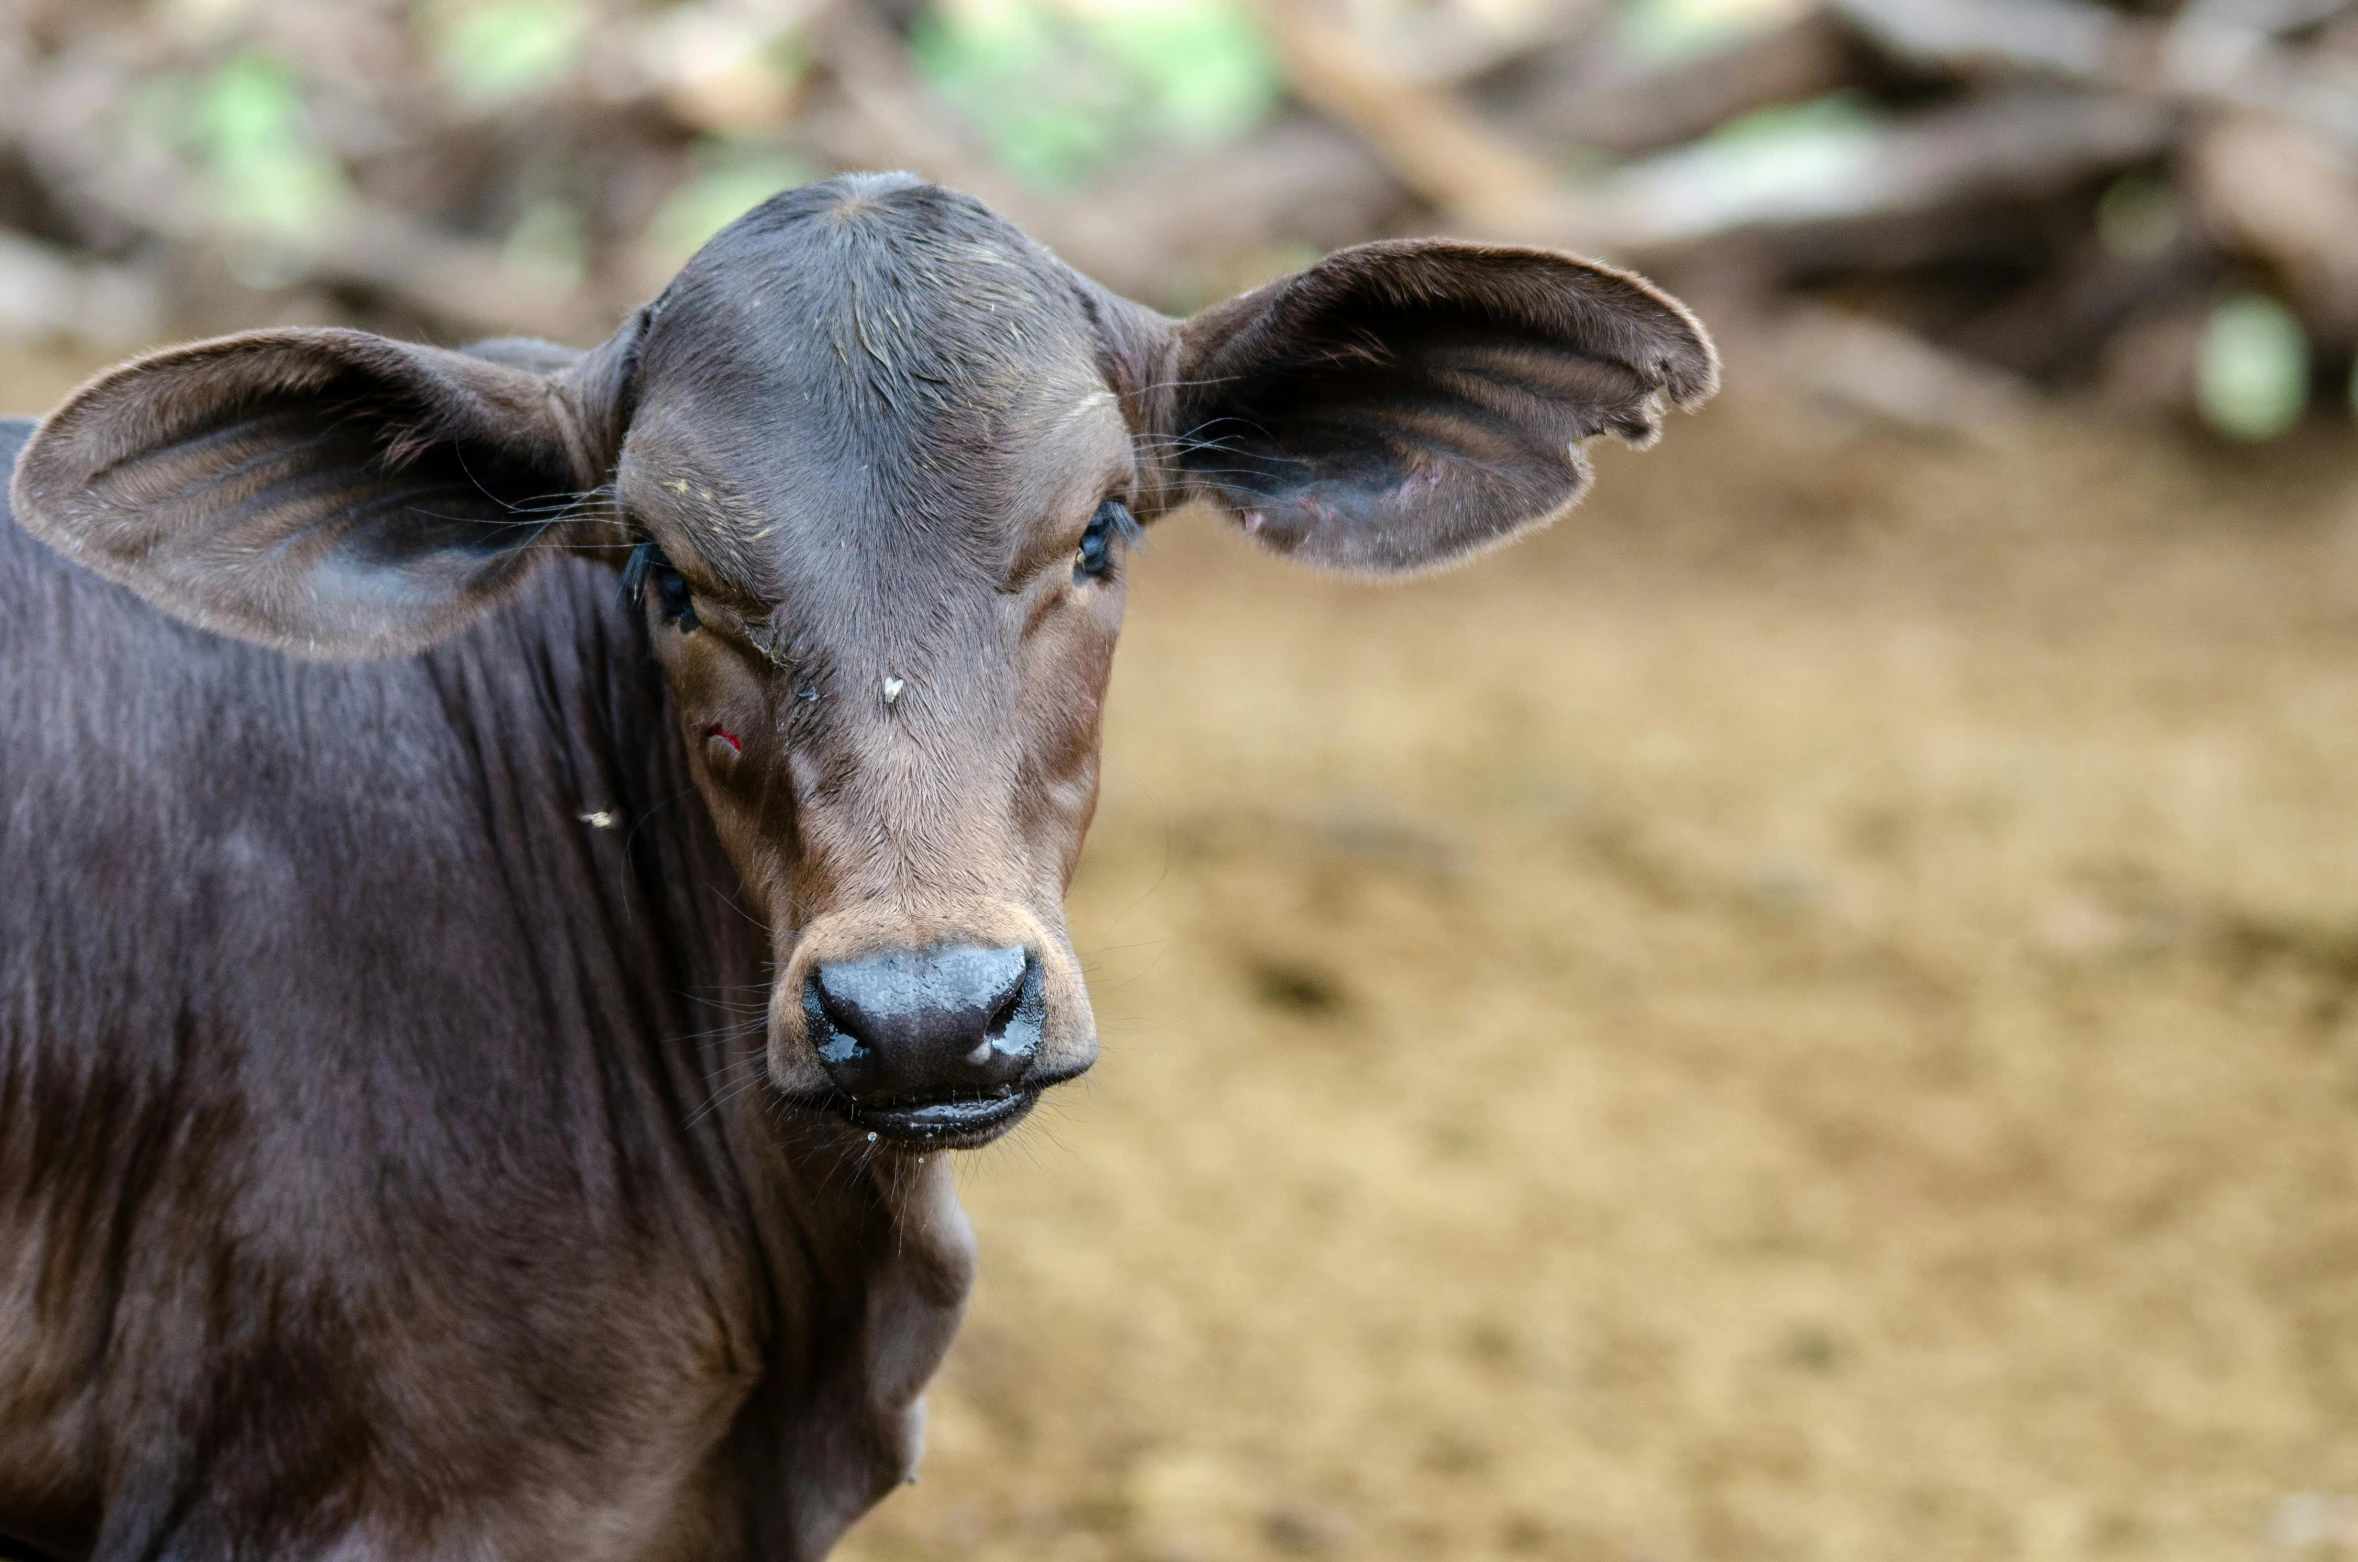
<point>2206,56</point>
<point>2014,142</point>
<point>1189,218</point>
<point>2003,143</point>
<point>1867,367</point>
<point>2063,37</point>
<point>897,117</point>
<point>1595,97</point>
<point>1139,224</point>
<point>460,281</point>
<point>2077,172</point>
<point>895,122</point>
<point>463,282</point>
<point>46,293</point>
<point>1434,145</point>
<point>1445,45</point>
<point>2280,191</point>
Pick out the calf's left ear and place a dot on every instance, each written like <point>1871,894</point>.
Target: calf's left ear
<point>1405,404</point>
<point>325,492</point>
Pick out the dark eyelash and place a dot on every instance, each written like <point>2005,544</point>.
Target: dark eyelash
<point>647,563</point>
<point>1113,523</point>
<point>1125,525</point>
<point>634,571</point>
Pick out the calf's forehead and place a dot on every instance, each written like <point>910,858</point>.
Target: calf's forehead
<point>900,364</point>
<point>870,330</point>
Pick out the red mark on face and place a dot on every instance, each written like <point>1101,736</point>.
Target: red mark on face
<point>726,736</point>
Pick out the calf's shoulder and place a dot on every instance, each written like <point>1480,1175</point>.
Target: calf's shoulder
<point>372,1167</point>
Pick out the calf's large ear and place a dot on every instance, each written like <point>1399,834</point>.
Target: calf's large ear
<point>1404,404</point>
<point>326,492</point>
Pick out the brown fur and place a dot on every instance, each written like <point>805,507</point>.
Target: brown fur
<point>409,1139</point>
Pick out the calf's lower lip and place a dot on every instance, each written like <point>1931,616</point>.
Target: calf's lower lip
<point>940,1125</point>
<point>945,1122</point>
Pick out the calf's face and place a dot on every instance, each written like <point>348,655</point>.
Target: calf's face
<point>870,467</point>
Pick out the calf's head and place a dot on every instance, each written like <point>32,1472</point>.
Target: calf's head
<point>869,467</point>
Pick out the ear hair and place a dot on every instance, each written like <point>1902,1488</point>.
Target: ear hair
<point>599,394</point>
<point>1410,403</point>
<point>328,492</point>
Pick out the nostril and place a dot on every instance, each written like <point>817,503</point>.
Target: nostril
<point>1007,1004</point>
<point>1019,1010</point>
<point>834,1027</point>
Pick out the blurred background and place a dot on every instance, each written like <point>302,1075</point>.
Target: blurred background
<point>1810,1012</point>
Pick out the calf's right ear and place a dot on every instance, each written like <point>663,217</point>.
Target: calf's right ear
<point>324,492</point>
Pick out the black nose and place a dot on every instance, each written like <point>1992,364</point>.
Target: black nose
<point>917,1024</point>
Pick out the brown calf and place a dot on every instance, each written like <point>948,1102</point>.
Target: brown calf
<point>377,1175</point>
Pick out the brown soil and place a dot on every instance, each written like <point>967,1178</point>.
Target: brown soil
<point>1811,1012</point>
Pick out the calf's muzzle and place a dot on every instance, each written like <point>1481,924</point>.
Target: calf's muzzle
<point>930,1042</point>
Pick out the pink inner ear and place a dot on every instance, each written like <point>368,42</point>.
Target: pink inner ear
<point>726,736</point>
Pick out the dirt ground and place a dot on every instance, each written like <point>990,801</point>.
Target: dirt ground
<point>1811,1012</point>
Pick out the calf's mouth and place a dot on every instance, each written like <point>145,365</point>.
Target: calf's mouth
<point>938,1041</point>
<point>950,1123</point>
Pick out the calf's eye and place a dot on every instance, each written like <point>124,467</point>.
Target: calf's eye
<point>647,567</point>
<point>1113,523</point>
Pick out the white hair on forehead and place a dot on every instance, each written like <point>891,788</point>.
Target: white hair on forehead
<point>1081,404</point>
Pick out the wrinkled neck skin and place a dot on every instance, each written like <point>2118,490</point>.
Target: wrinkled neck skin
<point>856,1261</point>
<point>424,1126</point>
<point>860,1256</point>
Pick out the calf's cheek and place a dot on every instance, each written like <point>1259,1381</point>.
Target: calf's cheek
<point>1065,738</point>
<point>723,711</point>
<point>727,720</point>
